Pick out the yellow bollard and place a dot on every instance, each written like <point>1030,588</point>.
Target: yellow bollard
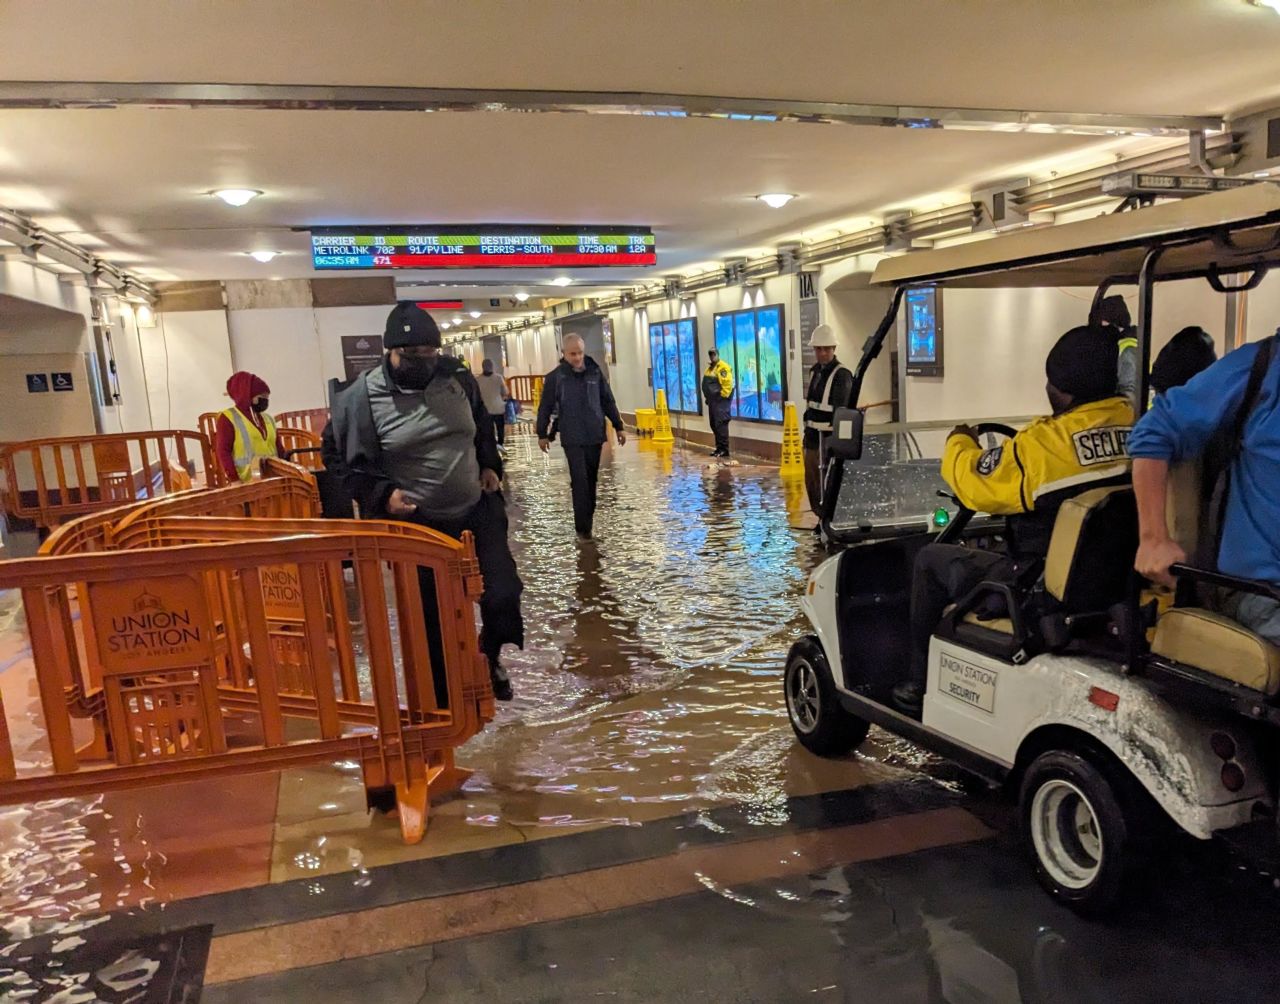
<point>792,454</point>
<point>662,424</point>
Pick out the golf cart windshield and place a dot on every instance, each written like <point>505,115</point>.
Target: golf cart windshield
<point>893,490</point>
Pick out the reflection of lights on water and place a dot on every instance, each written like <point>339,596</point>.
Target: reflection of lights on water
<point>307,861</point>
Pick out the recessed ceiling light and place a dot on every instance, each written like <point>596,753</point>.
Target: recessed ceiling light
<point>237,196</point>
<point>521,297</point>
<point>475,313</point>
<point>444,325</point>
<point>561,280</point>
<point>262,256</point>
<point>776,200</point>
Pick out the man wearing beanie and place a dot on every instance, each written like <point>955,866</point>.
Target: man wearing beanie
<point>1081,446</point>
<point>416,444</point>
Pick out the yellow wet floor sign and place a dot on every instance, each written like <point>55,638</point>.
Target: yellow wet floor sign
<point>662,425</point>
<point>792,455</point>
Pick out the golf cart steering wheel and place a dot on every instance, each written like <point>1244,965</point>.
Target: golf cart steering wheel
<point>963,513</point>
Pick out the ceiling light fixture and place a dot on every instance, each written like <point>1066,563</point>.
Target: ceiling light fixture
<point>776,200</point>
<point>444,325</point>
<point>236,196</point>
<point>475,313</point>
<point>262,256</point>
<point>1269,4</point>
<point>521,297</point>
<point>561,280</point>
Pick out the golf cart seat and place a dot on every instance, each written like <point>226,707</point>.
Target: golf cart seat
<point>1218,645</point>
<point>1095,536</point>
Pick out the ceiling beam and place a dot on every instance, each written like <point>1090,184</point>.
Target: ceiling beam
<point>306,97</point>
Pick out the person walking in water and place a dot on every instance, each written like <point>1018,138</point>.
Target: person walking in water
<point>493,389</point>
<point>578,396</point>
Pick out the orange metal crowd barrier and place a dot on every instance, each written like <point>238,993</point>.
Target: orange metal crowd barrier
<point>208,426</point>
<point>310,419</point>
<point>194,651</point>
<point>51,480</point>
<point>306,444</point>
<point>525,389</point>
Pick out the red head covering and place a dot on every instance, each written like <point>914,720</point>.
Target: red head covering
<point>244,387</point>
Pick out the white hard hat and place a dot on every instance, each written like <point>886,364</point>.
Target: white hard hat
<point>823,337</point>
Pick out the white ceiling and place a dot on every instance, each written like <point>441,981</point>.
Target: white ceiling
<point>130,182</point>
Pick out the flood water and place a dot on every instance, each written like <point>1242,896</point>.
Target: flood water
<point>649,686</point>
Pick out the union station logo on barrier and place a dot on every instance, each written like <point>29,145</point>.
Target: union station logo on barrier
<point>159,623</point>
<point>282,593</point>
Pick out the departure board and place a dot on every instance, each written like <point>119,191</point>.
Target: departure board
<point>485,246</point>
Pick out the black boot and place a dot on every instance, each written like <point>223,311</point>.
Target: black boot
<point>498,678</point>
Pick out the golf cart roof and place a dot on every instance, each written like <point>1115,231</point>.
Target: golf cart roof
<point>1234,231</point>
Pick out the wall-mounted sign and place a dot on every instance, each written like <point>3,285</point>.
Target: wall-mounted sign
<point>37,383</point>
<point>485,246</point>
<point>359,353</point>
<point>63,382</point>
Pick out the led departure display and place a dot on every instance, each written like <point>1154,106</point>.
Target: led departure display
<point>481,247</point>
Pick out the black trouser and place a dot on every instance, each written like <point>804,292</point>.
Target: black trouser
<point>718,412</point>
<point>943,574</point>
<point>584,472</point>
<point>499,428</point>
<point>500,601</point>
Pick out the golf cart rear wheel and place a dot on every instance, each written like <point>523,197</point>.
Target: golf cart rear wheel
<point>1076,829</point>
<point>818,720</point>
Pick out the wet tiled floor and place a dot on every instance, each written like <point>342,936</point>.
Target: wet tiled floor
<point>642,797</point>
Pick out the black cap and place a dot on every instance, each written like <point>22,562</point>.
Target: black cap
<point>1188,352</point>
<point>1082,363</point>
<point>1112,311</point>
<point>409,324</point>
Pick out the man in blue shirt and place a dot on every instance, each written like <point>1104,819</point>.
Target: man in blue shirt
<point>1178,427</point>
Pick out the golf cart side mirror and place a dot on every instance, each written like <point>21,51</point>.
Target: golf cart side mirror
<point>846,434</point>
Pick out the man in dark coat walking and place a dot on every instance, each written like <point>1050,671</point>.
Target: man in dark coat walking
<point>578,396</point>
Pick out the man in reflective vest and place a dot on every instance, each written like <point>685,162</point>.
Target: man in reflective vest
<point>717,390</point>
<point>830,387</point>
<point>245,433</point>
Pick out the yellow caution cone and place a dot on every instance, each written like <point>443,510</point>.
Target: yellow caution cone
<point>537,392</point>
<point>792,454</point>
<point>662,426</point>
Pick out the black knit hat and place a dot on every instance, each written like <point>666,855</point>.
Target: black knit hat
<point>1112,311</point>
<point>1082,363</point>
<point>409,324</point>
<point>1188,352</point>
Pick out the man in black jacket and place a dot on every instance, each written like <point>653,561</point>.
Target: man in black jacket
<point>579,396</point>
<point>415,443</point>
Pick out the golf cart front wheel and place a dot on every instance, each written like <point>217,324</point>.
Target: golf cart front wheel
<point>1076,831</point>
<point>817,718</point>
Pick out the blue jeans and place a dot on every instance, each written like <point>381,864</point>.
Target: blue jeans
<point>1261,615</point>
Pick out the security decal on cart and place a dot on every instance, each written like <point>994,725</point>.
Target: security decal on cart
<point>1101,446</point>
<point>967,682</point>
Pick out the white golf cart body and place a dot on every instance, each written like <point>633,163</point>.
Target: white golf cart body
<point>994,710</point>
<point>989,713</point>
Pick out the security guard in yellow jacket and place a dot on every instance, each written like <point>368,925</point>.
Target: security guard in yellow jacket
<point>1027,478</point>
<point>717,390</point>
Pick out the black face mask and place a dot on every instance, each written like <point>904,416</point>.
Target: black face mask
<point>260,406</point>
<point>414,372</point>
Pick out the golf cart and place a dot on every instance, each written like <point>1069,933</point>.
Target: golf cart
<point>1105,721</point>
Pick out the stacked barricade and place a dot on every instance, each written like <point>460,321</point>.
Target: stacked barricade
<point>49,481</point>
<point>231,614</point>
<point>312,420</point>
